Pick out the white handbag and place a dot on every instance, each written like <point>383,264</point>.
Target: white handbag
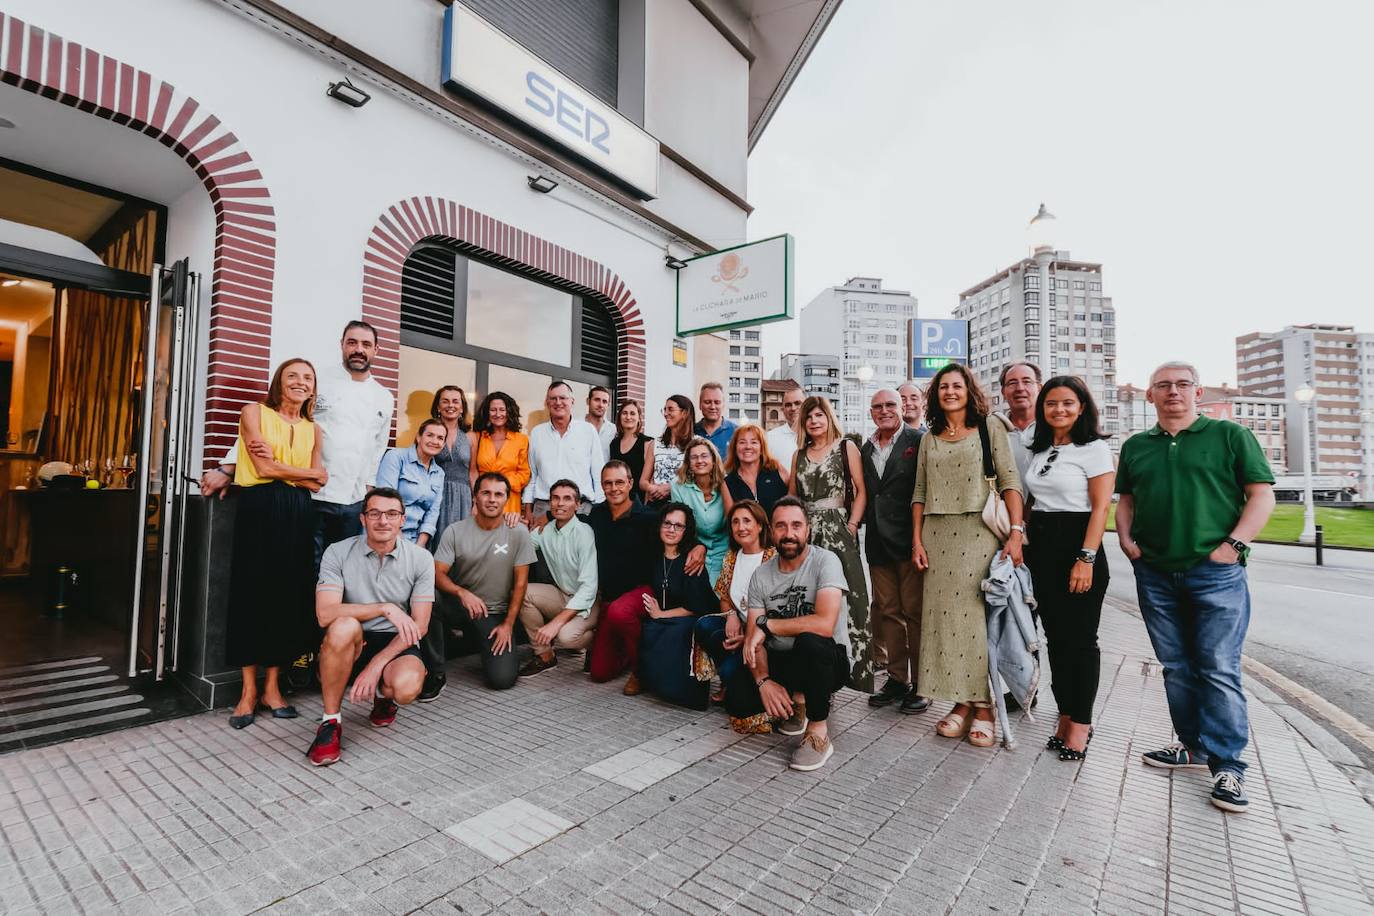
<point>995,509</point>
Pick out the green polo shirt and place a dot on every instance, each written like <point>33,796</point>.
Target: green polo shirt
<point>1189,489</point>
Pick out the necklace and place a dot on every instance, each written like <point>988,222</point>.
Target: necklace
<point>667,565</point>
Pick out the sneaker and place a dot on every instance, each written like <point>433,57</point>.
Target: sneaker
<point>892,691</point>
<point>324,750</point>
<point>914,703</point>
<point>812,753</point>
<point>383,712</point>
<point>1175,757</point>
<point>537,665</point>
<point>434,685</point>
<point>796,724</point>
<point>1228,792</point>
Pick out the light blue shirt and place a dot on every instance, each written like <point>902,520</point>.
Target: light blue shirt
<point>421,489</point>
<point>570,553</point>
<point>721,437</point>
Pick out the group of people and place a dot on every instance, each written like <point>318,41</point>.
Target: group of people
<point>721,553</point>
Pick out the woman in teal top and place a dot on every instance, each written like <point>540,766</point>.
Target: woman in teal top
<point>701,484</point>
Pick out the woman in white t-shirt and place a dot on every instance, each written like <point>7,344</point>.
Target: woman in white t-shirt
<point>719,636</point>
<point>1070,481</point>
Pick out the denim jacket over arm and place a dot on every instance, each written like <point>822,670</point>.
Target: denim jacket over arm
<point>1012,638</point>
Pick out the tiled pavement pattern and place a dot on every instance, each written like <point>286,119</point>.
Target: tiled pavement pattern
<point>624,805</point>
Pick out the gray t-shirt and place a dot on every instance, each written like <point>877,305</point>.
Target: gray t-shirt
<point>793,594</point>
<point>402,577</point>
<point>483,562</point>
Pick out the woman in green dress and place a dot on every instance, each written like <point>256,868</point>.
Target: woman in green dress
<point>828,476</point>
<point>955,548</point>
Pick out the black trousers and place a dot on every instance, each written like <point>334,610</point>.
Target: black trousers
<point>499,672</point>
<point>1070,619</point>
<point>815,667</point>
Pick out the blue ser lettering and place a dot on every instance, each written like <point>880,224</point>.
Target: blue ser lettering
<point>567,112</point>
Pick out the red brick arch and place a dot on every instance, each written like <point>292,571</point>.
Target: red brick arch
<point>418,219</point>
<point>245,223</point>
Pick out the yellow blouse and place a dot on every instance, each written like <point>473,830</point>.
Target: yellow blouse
<point>513,461</point>
<point>292,444</point>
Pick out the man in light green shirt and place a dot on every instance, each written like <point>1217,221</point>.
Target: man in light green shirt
<point>562,615</point>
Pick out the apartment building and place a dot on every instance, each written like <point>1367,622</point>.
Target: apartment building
<point>1266,417</point>
<point>817,373</point>
<point>744,379</point>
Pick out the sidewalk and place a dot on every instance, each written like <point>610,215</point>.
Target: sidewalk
<point>564,796</point>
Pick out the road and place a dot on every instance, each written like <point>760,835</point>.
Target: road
<point>1314,625</point>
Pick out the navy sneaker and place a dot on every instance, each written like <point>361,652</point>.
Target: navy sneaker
<point>1175,757</point>
<point>1228,792</point>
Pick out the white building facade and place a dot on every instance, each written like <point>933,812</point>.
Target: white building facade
<point>866,326</point>
<point>492,248</point>
<point>744,383</point>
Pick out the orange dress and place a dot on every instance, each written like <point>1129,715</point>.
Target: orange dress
<point>513,461</point>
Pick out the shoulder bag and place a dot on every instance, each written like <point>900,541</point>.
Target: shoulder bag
<point>995,508</point>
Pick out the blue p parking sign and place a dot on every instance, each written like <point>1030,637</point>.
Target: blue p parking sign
<point>934,343</point>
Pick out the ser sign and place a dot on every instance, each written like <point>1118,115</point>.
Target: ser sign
<point>482,61</point>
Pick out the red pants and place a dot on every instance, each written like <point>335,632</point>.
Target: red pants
<point>617,635</point>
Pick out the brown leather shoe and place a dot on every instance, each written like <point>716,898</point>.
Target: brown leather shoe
<point>632,688</point>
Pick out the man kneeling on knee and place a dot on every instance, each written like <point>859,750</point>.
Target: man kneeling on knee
<point>796,646</point>
<point>373,600</point>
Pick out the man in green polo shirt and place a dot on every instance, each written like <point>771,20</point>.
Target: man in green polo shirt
<point>1194,491</point>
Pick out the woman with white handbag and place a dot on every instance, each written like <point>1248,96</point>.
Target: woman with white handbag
<point>966,505</point>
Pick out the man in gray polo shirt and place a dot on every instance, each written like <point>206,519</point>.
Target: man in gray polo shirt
<point>373,600</point>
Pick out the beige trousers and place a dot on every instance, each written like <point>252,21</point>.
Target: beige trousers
<point>545,602</point>
<point>897,617</point>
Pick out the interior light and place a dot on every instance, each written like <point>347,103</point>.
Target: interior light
<point>11,281</point>
<point>348,93</point>
<point>540,183</point>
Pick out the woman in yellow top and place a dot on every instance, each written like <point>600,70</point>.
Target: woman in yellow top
<point>271,579</point>
<point>499,446</point>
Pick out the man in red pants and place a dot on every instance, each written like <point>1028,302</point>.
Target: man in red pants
<point>626,543</point>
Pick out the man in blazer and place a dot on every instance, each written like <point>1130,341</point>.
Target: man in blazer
<point>889,459</point>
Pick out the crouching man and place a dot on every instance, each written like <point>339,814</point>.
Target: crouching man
<point>373,600</point>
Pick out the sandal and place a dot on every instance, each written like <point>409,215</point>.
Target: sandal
<point>983,733</point>
<point>1055,743</point>
<point>953,726</point>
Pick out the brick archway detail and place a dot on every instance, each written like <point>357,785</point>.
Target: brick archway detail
<point>245,253</point>
<point>418,219</point>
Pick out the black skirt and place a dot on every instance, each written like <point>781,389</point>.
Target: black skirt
<point>271,617</point>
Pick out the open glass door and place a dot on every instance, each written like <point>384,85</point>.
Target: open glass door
<point>163,478</point>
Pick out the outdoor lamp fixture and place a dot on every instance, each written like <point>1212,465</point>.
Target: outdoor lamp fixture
<point>348,93</point>
<point>540,183</point>
<point>1304,396</point>
<point>673,263</point>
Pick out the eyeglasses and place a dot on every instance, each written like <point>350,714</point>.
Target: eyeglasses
<point>1049,462</point>
<point>1183,387</point>
<point>885,405</point>
<point>673,526</point>
<point>389,514</point>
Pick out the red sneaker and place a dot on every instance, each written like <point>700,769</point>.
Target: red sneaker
<point>324,750</point>
<point>383,712</point>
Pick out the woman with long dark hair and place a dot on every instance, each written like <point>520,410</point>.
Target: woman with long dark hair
<point>499,447</point>
<point>450,407</point>
<point>675,602</point>
<point>271,618</point>
<point>955,548</point>
<point>630,444</point>
<point>1070,479</point>
<point>663,457</point>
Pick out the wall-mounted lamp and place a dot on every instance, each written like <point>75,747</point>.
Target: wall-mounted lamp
<point>348,93</point>
<point>673,263</point>
<point>540,183</point>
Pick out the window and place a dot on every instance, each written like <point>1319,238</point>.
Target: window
<point>1080,316</point>
<point>1032,313</point>
<point>1095,286</point>
<point>734,335</point>
<point>750,335</point>
<point>751,398</point>
<point>1032,281</point>
<point>734,365</point>
<point>751,351</point>
<point>1032,329</point>
<point>733,397</point>
<point>1061,284</point>
<point>1077,284</point>
<point>734,381</point>
<point>1032,298</point>
<point>891,339</point>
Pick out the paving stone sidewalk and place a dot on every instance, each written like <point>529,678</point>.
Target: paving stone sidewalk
<point>564,796</point>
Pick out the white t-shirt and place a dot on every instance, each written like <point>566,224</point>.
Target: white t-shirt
<point>782,445</point>
<point>1064,486</point>
<point>745,564</point>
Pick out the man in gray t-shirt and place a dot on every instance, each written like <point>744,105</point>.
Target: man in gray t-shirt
<point>796,647</point>
<point>373,600</point>
<point>485,565</point>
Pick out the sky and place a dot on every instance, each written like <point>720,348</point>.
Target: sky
<point>1215,156</point>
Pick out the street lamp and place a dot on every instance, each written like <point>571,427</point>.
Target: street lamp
<point>1304,396</point>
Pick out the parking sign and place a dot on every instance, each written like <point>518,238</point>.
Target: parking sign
<point>934,343</point>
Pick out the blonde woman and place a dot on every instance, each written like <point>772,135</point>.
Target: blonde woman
<point>751,472</point>
<point>828,476</point>
<point>700,484</point>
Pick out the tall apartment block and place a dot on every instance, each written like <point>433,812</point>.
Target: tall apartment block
<point>744,379</point>
<point>1338,364</point>
<point>866,326</point>
<point>1135,413</point>
<point>817,373</point>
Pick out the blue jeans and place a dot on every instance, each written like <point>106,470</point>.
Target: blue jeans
<point>710,633</point>
<point>1197,621</point>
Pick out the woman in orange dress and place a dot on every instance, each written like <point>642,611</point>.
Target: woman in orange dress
<point>498,445</point>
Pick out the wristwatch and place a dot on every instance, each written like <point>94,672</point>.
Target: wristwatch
<point>760,682</point>
<point>762,624</point>
<point>1020,528</point>
<point>1241,548</point>
<point>1087,556</point>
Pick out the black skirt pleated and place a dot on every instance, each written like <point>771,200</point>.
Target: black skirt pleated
<point>271,583</point>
